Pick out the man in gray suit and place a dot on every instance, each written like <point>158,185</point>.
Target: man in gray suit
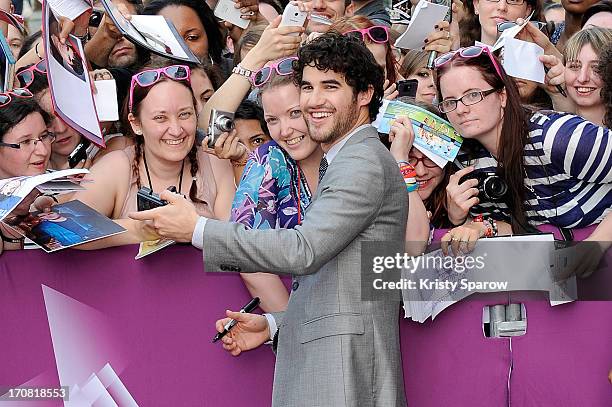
<point>334,349</point>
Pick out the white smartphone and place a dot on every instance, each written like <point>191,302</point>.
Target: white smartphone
<point>292,16</point>
<point>226,11</point>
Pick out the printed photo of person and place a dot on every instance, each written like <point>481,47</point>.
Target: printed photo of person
<point>66,54</point>
<point>8,198</point>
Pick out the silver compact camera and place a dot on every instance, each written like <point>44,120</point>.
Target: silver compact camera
<point>220,122</point>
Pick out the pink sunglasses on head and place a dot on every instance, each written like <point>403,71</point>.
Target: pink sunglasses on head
<point>152,76</point>
<point>378,34</point>
<point>469,52</point>
<point>282,67</point>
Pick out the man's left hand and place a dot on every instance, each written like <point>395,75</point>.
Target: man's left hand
<point>175,221</point>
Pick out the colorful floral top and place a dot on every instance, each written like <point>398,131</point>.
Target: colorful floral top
<point>267,197</point>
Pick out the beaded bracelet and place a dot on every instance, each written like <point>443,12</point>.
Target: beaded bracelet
<point>489,223</point>
<point>409,174</point>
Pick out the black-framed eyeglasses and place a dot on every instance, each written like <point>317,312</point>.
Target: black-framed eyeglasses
<point>470,98</point>
<point>412,160</point>
<point>95,18</point>
<point>47,139</point>
<point>501,27</point>
<point>509,2</point>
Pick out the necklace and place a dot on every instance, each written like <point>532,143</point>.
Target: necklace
<point>180,185</point>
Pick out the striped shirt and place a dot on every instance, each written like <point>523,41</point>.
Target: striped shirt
<point>568,166</point>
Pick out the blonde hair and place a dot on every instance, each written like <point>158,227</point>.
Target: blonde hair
<point>596,37</point>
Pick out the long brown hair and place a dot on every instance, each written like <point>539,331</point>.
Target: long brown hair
<point>139,94</point>
<point>513,137</point>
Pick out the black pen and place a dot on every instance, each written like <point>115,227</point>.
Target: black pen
<point>559,88</point>
<point>247,308</point>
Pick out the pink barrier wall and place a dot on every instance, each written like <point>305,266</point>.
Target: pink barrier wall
<point>152,321</point>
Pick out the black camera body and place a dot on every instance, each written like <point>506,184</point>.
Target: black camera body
<point>79,153</point>
<point>407,87</point>
<point>147,199</point>
<point>491,187</point>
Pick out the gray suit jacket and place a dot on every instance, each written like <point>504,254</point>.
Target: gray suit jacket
<point>333,348</point>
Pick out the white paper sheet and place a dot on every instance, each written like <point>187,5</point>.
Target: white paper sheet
<point>69,8</point>
<point>158,35</point>
<point>510,33</point>
<point>521,60</point>
<point>106,100</point>
<point>426,15</point>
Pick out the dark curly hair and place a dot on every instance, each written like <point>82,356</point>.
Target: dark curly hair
<point>346,56</point>
<point>604,70</point>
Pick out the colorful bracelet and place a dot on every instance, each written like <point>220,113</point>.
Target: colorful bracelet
<point>489,223</point>
<point>409,174</point>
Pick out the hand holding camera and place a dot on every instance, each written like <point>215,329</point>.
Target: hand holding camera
<point>461,196</point>
<point>147,199</point>
<point>221,139</point>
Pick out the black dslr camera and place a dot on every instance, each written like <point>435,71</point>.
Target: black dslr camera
<point>147,199</point>
<point>491,187</point>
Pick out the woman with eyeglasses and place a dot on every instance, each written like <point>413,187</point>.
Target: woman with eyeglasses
<point>34,78</point>
<point>557,166</point>
<point>162,117</point>
<point>25,148</point>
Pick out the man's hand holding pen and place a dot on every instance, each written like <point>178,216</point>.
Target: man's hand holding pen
<point>250,331</point>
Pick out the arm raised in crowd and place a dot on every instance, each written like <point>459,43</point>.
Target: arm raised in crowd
<point>401,137</point>
<point>276,42</point>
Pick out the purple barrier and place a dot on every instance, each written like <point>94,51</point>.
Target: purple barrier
<point>69,314</point>
<point>152,320</point>
<point>562,360</point>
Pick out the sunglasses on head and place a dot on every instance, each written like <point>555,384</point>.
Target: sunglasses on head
<point>282,67</point>
<point>21,93</point>
<point>26,77</point>
<point>378,34</point>
<point>152,76</point>
<point>469,52</point>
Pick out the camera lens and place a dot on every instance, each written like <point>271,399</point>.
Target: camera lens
<point>495,187</point>
<point>224,123</point>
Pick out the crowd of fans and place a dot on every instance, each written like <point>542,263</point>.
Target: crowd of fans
<point>553,150</point>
